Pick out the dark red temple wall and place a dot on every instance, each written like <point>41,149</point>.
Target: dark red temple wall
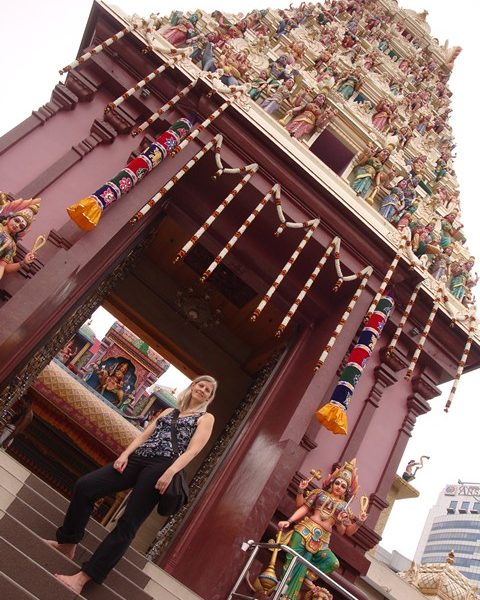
<point>29,157</point>
<point>79,181</point>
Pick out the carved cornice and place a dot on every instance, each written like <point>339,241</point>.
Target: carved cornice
<point>425,387</point>
<point>394,359</point>
<point>378,502</point>
<point>101,132</point>
<point>81,86</point>
<point>366,538</point>
<point>308,443</point>
<point>120,119</point>
<point>417,405</point>
<point>64,97</point>
<point>57,240</point>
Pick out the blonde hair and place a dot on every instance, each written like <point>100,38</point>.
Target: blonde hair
<point>185,397</point>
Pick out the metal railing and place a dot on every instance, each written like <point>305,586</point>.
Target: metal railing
<point>282,584</point>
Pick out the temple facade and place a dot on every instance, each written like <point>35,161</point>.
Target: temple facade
<point>269,199</point>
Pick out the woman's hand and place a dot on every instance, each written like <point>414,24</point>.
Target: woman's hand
<point>284,524</point>
<point>121,462</point>
<point>164,481</point>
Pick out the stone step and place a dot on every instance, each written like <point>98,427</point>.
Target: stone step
<point>38,522</point>
<point>118,586</point>
<point>31,504</point>
<point>10,590</point>
<point>31,576</point>
<point>37,493</point>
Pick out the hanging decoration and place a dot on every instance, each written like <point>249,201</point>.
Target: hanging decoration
<point>275,191</point>
<point>343,319</point>
<point>173,180</point>
<point>463,361</point>
<point>333,246</point>
<point>87,212</point>
<point>333,416</point>
<point>425,332</point>
<point>403,320</point>
<point>218,140</point>
<point>388,276</point>
<point>138,86</point>
<point>287,266</point>
<point>165,108</point>
<point>98,49</point>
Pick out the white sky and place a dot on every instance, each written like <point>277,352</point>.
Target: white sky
<point>38,38</point>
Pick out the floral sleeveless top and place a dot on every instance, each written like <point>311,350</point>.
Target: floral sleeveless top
<point>160,442</point>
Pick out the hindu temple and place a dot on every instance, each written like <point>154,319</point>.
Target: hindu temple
<point>268,198</point>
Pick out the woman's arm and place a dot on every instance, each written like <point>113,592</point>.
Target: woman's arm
<point>121,462</point>
<point>199,439</point>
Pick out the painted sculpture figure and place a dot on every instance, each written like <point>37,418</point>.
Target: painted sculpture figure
<point>16,216</point>
<point>367,173</point>
<point>324,510</point>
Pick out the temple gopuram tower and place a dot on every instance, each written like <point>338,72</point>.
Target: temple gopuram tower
<point>269,199</point>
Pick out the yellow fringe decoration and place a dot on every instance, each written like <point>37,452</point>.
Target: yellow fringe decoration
<point>333,418</point>
<point>86,213</point>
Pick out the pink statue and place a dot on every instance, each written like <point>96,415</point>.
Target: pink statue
<point>309,117</point>
<point>385,112</point>
<point>16,216</point>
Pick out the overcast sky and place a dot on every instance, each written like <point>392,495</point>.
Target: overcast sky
<point>38,38</point>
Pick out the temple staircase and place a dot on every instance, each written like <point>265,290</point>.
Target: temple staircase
<point>30,510</point>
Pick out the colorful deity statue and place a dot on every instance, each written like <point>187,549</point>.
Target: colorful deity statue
<point>384,114</point>
<point>392,204</point>
<point>307,117</point>
<point>460,277</point>
<point>448,232</point>
<point>182,31</point>
<point>322,511</point>
<point>16,216</point>
<point>440,267</point>
<point>367,174</point>
<point>350,84</point>
<point>272,103</point>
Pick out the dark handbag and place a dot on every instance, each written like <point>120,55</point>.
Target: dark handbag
<point>176,495</point>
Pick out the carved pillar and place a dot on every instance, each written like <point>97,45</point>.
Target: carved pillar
<point>386,374</point>
<point>417,404</point>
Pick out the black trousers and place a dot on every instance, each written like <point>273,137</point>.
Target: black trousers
<point>141,474</point>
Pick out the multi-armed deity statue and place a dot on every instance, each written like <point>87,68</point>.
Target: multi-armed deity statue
<point>16,216</point>
<point>320,512</point>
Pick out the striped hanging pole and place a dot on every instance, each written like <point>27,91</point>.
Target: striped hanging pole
<point>165,108</point>
<point>403,320</point>
<point>286,268</point>
<point>240,231</point>
<point>138,86</point>
<point>421,342</point>
<point>333,415</point>
<point>218,211</point>
<point>98,49</point>
<point>189,138</point>
<point>463,361</point>
<point>388,276</point>
<point>171,182</point>
<point>306,288</point>
<point>86,213</point>
<point>343,319</point>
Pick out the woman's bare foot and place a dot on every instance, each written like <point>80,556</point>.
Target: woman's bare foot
<point>74,582</point>
<point>67,549</point>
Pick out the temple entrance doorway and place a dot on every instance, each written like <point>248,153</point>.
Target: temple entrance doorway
<point>162,318</point>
